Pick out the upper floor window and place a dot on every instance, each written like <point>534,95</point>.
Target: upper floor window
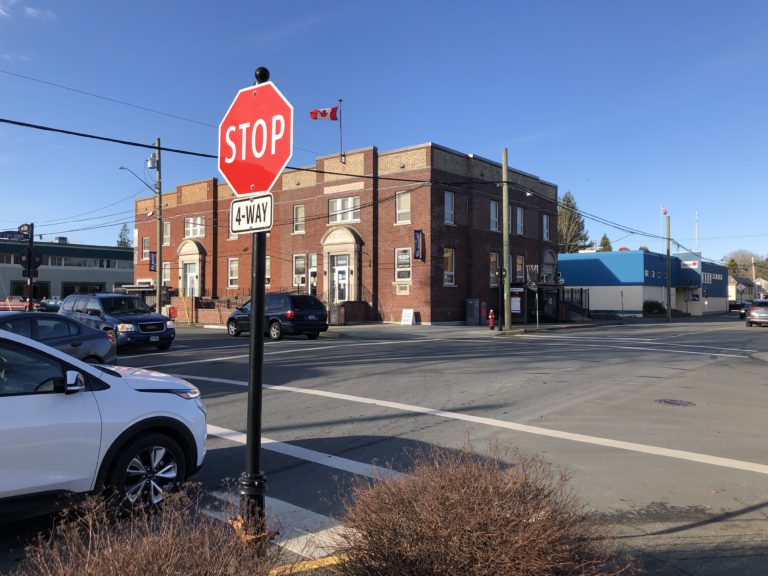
<point>545,227</point>
<point>166,233</point>
<point>344,209</point>
<point>194,227</point>
<point>267,272</point>
<point>449,208</point>
<point>298,219</point>
<point>403,207</point>
<point>520,220</point>
<point>494,216</point>
<point>145,248</point>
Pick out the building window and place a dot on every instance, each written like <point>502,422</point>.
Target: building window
<point>344,210</point>
<point>402,265</point>
<point>166,233</point>
<point>545,227</point>
<point>8,258</point>
<point>520,221</point>
<point>267,273</point>
<point>449,267</point>
<point>449,208</point>
<point>509,219</point>
<point>403,208</point>
<point>145,248</point>
<point>520,269</point>
<point>194,227</point>
<point>298,219</point>
<point>166,273</point>
<point>494,216</point>
<point>232,272</point>
<point>299,270</point>
<point>494,269</point>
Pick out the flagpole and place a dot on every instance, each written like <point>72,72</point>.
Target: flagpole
<point>342,157</point>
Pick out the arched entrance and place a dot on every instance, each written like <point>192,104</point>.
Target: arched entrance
<point>191,273</point>
<point>341,262</point>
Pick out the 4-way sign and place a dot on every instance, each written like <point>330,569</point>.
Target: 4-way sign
<point>251,214</point>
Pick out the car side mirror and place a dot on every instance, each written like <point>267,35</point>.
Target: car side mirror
<point>153,308</point>
<point>75,382</point>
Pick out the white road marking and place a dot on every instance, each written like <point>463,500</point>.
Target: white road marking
<point>643,340</point>
<point>345,464</point>
<point>535,430</point>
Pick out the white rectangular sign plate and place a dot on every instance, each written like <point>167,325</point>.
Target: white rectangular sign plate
<point>251,214</point>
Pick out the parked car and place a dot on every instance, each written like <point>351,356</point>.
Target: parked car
<point>71,428</point>
<point>50,304</point>
<point>128,317</point>
<point>284,313</point>
<point>743,309</point>
<point>757,313</point>
<point>15,303</point>
<point>65,334</point>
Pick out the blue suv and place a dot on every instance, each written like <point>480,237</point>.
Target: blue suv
<point>128,317</point>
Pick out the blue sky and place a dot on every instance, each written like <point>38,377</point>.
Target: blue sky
<point>627,104</point>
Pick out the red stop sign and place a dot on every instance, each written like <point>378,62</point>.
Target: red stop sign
<point>256,139</point>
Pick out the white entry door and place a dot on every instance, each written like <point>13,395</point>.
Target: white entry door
<point>340,272</point>
<point>189,279</point>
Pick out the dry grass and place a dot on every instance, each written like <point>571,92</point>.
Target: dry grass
<point>464,514</point>
<point>99,539</point>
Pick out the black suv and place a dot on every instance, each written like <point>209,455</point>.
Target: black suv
<point>284,313</point>
<point>128,317</point>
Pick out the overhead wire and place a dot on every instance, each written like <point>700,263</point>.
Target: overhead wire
<point>454,183</point>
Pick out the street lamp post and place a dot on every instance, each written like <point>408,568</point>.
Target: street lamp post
<point>153,163</point>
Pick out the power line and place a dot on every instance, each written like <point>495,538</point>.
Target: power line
<point>455,183</point>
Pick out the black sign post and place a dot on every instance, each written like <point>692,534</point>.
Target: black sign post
<point>253,482</point>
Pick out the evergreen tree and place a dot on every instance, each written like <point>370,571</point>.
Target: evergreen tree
<point>124,238</point>
<point>571,230</point>
<point>605,244</point>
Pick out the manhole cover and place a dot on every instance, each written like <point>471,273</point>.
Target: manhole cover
<point>672,402</point>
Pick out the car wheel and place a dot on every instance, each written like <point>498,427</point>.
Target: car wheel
<point>313,335</point>
<point>146,469</point>
<point>232,328</point>
<point>749,324</point>
<point>275,331</point>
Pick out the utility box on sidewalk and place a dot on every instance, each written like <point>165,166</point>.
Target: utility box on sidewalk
<point>473,312</point>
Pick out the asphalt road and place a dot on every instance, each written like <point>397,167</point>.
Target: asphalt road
<point>663,427</point>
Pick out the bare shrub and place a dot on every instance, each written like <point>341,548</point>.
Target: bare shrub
<point>458,513</point>
<point>178,538</point>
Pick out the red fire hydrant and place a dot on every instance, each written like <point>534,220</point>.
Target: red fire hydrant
<point>491,319</point>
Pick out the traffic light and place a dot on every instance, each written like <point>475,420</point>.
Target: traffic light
<point>31,261</point>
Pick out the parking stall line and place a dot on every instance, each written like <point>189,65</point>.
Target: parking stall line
<point>525,428</point>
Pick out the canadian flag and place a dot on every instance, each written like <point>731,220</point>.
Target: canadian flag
<point>325,113</point>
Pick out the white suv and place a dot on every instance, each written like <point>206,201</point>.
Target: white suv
<point>67,427</point>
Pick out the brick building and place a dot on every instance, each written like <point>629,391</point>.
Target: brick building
<point>415,228</point>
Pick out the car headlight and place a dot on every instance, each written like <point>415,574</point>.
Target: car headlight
<point>169,324</point>
<point>187,393</point>
<point>126,328</point>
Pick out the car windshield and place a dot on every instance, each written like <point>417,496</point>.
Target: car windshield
<point>125,305</point>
